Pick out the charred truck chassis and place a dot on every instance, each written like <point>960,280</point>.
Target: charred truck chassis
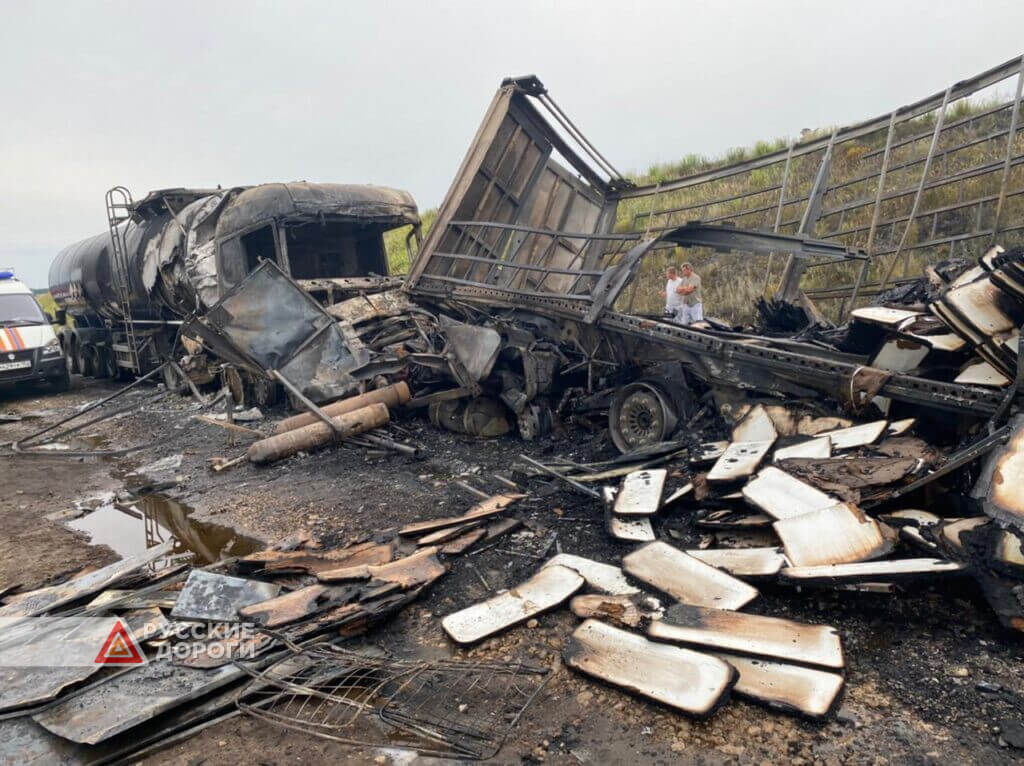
<point>520,233</point>
<point>175,253</point>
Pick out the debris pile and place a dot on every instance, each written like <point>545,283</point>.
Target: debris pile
<point>242,635</point>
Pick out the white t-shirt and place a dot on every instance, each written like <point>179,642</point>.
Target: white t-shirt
<point>673,299</point>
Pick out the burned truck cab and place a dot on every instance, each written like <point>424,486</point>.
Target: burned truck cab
<point>322,235</point>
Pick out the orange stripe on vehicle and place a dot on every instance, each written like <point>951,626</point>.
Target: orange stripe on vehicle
<point>17,335</point>
<point>12,342</point>
<point>3,341</point>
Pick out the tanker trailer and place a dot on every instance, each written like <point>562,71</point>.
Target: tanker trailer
<point>173,254</point>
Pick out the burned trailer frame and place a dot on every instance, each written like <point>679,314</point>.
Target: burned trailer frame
<point>530,226</point>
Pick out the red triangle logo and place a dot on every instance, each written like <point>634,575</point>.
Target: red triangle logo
<point>119,648</point>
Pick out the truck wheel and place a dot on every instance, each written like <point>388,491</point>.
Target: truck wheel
<point>84,355</point>
<point>100,362</point>
<point>173,380</point>
<point>70,358</point>
<point>640,415</point>
<point>231,379</point>
<point>264,392</point>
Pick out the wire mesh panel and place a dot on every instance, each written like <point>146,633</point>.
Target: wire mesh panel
<point>446,708</point>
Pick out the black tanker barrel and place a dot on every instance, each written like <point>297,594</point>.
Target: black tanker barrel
<point>81,276</point>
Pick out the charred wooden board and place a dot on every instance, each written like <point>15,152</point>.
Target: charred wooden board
<point>750,634</point>
<point>489,507</point>
<point>627,611</point>
<point>840,534</point>
<point>782,496</point>
<point>546,589</point>
<point>743,562</point>
<point>685,578</point>
<point>686,680</point>
<point>870,571</point>
<point>784,687</point>
<point>641,493</point>
<point>603,577</point>
<point>279,562</point>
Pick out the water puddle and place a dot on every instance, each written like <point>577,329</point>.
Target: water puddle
<point>132,528</point>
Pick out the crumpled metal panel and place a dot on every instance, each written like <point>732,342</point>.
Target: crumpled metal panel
<point>217,598</point>
<point>267,322</point>
<point>130,699</point>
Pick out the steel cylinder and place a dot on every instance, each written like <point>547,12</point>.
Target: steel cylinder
<point>318,434</point>
<point>393,396</point>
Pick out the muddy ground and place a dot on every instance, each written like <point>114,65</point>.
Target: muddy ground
<point>931,676</point>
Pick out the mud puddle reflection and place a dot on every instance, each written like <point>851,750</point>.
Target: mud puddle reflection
<point>132,528</point>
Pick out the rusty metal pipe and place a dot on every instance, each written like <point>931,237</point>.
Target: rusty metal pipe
<point>394,395</point>
<point>318,434</point>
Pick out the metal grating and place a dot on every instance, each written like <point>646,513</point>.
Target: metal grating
<point>445,708</point>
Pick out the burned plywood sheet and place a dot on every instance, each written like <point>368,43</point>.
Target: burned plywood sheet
<point>627,611</point>
<point>547,588</point>
<point>463,542</point>
<point>640,494</point>
<point>741,633</point>
<point>217,598</point>
<point>708,452</point>
<point>688,681</point>
<point>785,687</point>
<point>818,447</point>
<point>636,529</point>
<point>783,496</point>
<point>856,436</point>
<point>739,460</point>
<point>869,571</point>
<point>685,578</point>
<point>726,519</point>
<point>127,700</point>
<point>485,509</point>
<point>839,534</point>
<point>743,562</point>
<point>39,601</point>
<point>294,605</point>
<point>313,562</point>
<point>420,568</point>
<point>755,426</point>
<point>1000,487</point>
<point>603,577</point>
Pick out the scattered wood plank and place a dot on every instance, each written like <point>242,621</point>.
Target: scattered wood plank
<point>685,578</point>
<point>688,681</point>
<point>741,633</point>
<point>483,510</point>
<point>546,589</point>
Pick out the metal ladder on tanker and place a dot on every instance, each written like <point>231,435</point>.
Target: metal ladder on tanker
<point>119,211</point>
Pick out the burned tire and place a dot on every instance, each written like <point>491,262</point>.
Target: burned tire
<point>85,359</point>
<point>641,414</point>
<point>103,362</point>
<point>70,358</point>
<point>231,379</point>
<point>263,392</point>
<point>173,380</point>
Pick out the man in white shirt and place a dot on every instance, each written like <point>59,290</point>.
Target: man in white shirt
<point>691,300</point>
<point>673,300</point>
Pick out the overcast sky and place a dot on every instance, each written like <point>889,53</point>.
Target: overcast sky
<point>153,95</point>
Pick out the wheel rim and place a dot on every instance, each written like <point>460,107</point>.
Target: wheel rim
<point>640,415</point>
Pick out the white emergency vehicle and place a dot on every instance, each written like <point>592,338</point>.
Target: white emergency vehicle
<point>29,349</point>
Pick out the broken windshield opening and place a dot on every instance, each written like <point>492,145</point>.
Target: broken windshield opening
<point>329,249</point>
